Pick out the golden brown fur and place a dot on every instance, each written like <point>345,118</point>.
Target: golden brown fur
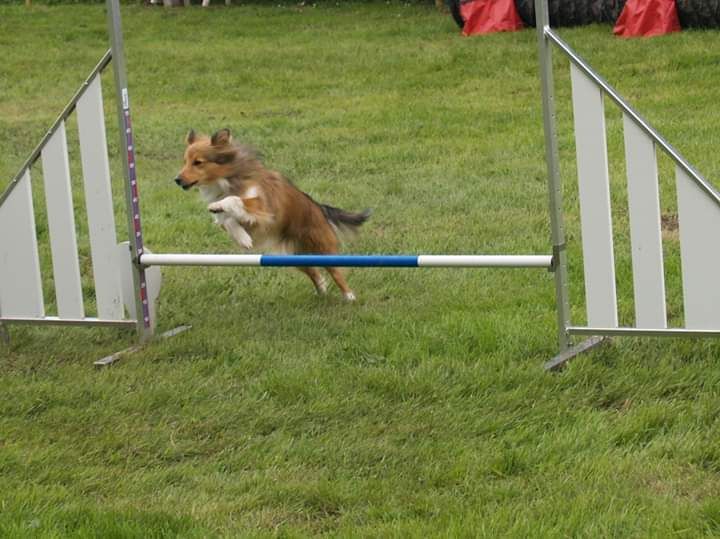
<point>259,208</point>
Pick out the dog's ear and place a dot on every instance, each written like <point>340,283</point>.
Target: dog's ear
<point>191,137</point>
<point>221,155</point>
<point>221,138</point>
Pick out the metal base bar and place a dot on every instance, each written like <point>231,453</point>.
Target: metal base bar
<point>386,261</point>
<point>641,332</point>
<point>112,358</point>
<point>559,360</point>
<point>55,321</point>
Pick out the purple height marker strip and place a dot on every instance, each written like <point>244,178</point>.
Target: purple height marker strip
<point>137,226</point>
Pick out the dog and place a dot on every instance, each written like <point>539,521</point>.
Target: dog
<point>262,210</point>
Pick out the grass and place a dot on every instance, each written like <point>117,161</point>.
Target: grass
<point>421,410</point>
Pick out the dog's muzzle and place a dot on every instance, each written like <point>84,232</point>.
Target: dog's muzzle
<point>182,183</point>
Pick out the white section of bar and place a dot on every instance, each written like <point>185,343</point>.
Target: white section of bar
<point>594,191</point>
<point>148,259</point>
<point>645,234</point>
<point>61,225</point>
<point>485,261</point>
<point>98,200</point>
<point>699,219</point>
<point>20,283</point>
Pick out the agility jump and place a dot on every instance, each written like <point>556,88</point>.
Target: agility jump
<point>127,298</point>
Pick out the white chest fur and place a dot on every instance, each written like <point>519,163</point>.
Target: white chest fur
<point>215,191</point>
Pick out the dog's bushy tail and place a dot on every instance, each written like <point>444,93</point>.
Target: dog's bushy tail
<point>344,219</point>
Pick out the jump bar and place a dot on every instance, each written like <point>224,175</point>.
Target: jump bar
<point>355,261</point>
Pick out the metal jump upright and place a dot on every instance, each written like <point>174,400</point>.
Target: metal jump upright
<point>698,213</point>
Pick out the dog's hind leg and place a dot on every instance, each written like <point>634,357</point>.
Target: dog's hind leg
<point>317,279</point>
<point>339,279</point>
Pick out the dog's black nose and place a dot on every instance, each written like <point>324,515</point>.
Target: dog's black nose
<point>178,181</point>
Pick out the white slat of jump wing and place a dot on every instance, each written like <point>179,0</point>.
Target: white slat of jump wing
<point>20,283</point>
<point>645,235</point>
<point>61,225</point>
<point>699,220</point>
<point>594,191</point>
<point>98,200</point>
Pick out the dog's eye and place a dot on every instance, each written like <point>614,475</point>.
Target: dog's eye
<point>197,163</point>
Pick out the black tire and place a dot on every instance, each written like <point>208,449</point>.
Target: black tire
<point>454,7</point>
<point>611,10</point>
<point>573,12</point>
<point>699,13</point>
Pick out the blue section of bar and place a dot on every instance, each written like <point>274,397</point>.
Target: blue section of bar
<point>359,261</point>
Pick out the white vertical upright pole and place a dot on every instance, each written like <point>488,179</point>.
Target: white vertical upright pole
<point>699,220</point>
<point>645,233</point>
<point>594,193</point>
<point>98,199</point>
<point>61,225</point>
<point>20,282</point>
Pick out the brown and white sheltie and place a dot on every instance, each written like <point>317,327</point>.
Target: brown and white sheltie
<point>259,208</point>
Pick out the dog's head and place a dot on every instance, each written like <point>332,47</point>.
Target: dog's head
<point>207,159</point>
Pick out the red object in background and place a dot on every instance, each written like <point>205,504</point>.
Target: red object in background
<point>488,16</point>
<point>647,18</point>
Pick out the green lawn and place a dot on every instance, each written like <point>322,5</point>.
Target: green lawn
<point>420,410</point>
